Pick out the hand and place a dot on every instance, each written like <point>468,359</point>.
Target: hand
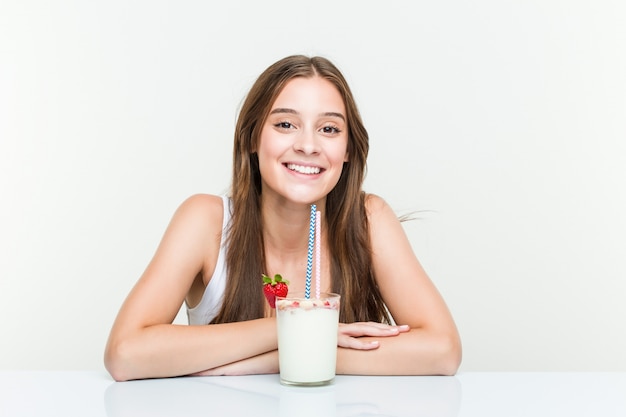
<point>349,335</point>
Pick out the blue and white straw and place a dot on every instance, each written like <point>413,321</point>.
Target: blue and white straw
<point>309,258</point>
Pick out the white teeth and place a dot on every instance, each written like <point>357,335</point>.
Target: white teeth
<point>303,170</point>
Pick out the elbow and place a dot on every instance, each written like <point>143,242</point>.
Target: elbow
<point>450,355</point>
<point>117,361</point>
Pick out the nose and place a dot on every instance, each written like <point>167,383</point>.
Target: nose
<point>306,142</point>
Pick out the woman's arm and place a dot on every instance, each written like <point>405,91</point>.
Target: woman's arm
<point>432,345</point>
<point>143,343</point>
<point>265,363</point>
<point>416,352</point>
<point>350,336</point>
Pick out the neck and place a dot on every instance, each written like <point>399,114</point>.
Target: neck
<point>286,238</point>
<point>286,225</point>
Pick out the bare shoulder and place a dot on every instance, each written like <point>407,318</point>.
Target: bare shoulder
<point>200,212</point>
<point>201,206</point>
<point>203,203</point>
<point>384,224</point>
<point>377,208</point>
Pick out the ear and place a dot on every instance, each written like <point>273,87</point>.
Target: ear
<point>345,157</point>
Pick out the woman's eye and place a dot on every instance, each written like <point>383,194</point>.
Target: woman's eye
<point>283,125</point>
<point>330,130</point>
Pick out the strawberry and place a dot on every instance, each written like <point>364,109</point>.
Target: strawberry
<point>274,287</point>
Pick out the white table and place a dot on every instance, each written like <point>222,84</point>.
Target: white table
<point>86,394</point>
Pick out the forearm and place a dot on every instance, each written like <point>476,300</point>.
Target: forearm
<point>416,352</point>
<point>166,350</point>
<point>412,353</point>
<point>265,363</point>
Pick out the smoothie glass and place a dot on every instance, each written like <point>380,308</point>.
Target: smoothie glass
<point>307,338</point>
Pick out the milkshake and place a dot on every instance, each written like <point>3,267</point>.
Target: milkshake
<point>307,338</point>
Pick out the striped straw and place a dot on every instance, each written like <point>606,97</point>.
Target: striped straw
<point>309,258</point>
<point>318,255</point>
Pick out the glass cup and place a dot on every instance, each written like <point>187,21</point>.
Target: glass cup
<point>307,338</point>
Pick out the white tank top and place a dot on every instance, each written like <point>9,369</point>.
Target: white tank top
<point>211,301</point>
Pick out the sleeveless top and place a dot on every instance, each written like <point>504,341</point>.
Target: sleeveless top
<point>211,301</point>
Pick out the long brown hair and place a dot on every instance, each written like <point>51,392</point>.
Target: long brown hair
<point>349,247</point>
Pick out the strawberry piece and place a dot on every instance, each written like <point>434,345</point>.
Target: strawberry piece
<point>274,287</point>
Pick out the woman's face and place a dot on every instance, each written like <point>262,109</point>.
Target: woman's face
<point>304,141</point>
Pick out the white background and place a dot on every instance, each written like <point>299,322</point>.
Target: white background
<point>502,123</point>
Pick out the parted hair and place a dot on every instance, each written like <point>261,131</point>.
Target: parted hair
<point>345,212</point>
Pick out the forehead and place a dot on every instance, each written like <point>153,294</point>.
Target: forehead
<point>313,94</point>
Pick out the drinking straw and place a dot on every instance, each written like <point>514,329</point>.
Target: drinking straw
<point>309,258</point>
<point>318,233</point>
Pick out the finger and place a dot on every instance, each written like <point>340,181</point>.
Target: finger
<point>371,329</point>
<point>360,328</point>
<point>373,324</point>
<point>404,328</point>
<point>358,344</point>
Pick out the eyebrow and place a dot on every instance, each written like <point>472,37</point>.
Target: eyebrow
<point>325,114</point>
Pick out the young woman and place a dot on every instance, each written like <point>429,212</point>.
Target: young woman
<point>299,141</point>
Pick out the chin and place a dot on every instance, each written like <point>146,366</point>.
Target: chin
<point>304,198</point>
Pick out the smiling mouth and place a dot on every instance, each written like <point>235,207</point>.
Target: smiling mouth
<point>304,169</point>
